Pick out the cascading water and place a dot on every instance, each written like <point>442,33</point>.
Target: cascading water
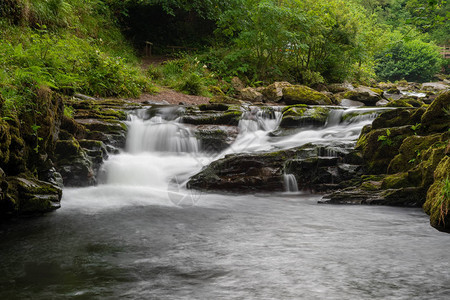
<point>127,237</point>
<point>290,183</point>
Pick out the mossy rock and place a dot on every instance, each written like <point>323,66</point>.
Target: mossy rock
<point>300,94</point>
<point>398,103</point>
<point>230,117</point>
<point>216,107</point>
<point>5,142</point>
<point>274,92</point>
<point>437,204</point>
<point>105,126</point>
<point>364,95</point>
<point>221,99</point>
<point>412,151</point>
<point>32,195</point>
<point>398,117</point>
<point>67,148</point>
<point>296,116</point>
<point>436,118</point>
<point>401,180</point>
<point>378,153</point>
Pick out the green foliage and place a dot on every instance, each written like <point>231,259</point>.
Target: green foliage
<point>66,47</point>
<point>385,139</point>
<point>413,60</point>
<point>187,74</point>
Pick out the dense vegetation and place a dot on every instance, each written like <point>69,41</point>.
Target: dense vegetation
<point>79,46</point>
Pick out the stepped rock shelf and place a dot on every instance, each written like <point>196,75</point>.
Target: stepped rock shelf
<point>368,155</point>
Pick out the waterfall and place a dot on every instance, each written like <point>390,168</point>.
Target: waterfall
<point>290,183</point>
<point>159,135</point>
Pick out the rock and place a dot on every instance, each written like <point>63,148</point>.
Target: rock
<point>299,94</point>
<point>378,153</point>
<point>229,117</point>
<point>364,95</point>
<point>246,173</point>
<point>224,100</point>
<point>351,103</point>
<point>299,115</point>
<point>405,102</point>
<point>73,163</point>
<point>340,87</point>
<point>216,107</point>
<point>251,94</point>
<point>437,203</point>
<point>30,195</point>
<point>382,102</point>
<point>237,84</point>
<point>274,92</point>
<point>434,86</point>
<point>214,139</point>
<point>436,118</point>
<point>398,117</point>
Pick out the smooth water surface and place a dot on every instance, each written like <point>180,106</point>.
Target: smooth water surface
<point>225,247</point>
<point>140,235</point>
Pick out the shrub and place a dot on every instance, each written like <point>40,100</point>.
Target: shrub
<point>413,60</point>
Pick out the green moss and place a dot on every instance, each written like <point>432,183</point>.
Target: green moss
<point>437,203</point>
<point>216,107</point>
<point>224,100</point>
<point>400,180</point>
<point>435,118</point>
<point>67,148</point>
<point>377,90</point>
<point>299,94</point>
<point>398,103</point>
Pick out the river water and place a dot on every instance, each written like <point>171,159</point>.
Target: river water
<point>141,235</point>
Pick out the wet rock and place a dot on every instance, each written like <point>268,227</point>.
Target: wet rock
<point>224,100</point>
<point>29,195</point>
<point>300,115</point>
<point>437,203</point>
<point>299,94</point>
<point>73,163</point>
<point>382,102</point>
<point>229,117</point>
<point>351,103</point>
<point>398,117</point>
<point>214,139</point>
<point>340,87</point>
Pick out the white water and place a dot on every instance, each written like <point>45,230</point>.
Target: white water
<point>127,238</point>
<point>290,183</point>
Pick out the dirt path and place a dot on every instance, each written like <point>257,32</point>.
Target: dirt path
<point>166,95</point>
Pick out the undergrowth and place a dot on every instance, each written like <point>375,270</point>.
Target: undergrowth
<point>67,46</point>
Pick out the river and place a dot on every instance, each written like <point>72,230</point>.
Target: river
<point>141,235</point>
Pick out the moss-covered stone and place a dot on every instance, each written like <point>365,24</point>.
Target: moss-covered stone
<point>299,94</point>
<point>229,117</point>
<point>398,103</point>
<point>295,116</point>
<point>378,153</point>
<point>412,151</point>
<point>364,95</point>
<point>32,196</point>
<point>436,118</point>
<point>216,107</point>
<point>221,99</point>
<point>398,117</point>
<point>274,92</point>
<point>437,204</point>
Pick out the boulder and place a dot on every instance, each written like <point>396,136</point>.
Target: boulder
<point>274,92</point>
<point>363,94</point>
<point>434,86</point>
<point>351,103</point>
<point>300,115</point>
<point>215,138</point>
<point>437,116</point>
<point>300,94</point>
<point>237,84</point>
<point>229,117</point>
<point>221,99</point>
<point>340,87</point>
<point>251,94</point>
<point>437,203</point>
<point>28,195</point>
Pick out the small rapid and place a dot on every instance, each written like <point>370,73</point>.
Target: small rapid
<point>128,238</point>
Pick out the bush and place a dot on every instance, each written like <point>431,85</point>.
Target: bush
<point>414,61</point>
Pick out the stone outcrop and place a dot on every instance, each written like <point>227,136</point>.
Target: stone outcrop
<point>300,94</point>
